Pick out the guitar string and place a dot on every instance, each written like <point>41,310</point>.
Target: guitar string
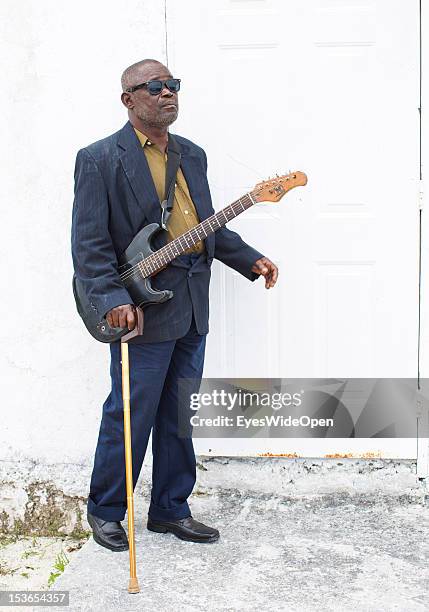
<point>174,248</point>
<point>166,251</point>
<point>166,254</point>
<point>156,257</point>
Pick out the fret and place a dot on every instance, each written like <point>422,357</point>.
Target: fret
<point>160,257</point>
<point>142,269</point>
<point>217,221</point>
<point>180,242</point>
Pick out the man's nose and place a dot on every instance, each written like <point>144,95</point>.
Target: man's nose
<point>166,92</point>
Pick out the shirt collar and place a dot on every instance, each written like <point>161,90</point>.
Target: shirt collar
<point>142,137</point>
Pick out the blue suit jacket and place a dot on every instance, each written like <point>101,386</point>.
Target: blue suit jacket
<point>114,198</point>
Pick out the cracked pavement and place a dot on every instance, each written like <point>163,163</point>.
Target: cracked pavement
<point>337,552</point>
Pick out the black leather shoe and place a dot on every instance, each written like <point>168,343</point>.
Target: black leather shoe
<point>109,534</point>
<point>186,529</point>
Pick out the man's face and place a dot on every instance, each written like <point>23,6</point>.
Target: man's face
<point>153,110</point>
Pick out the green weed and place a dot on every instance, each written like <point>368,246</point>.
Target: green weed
<point>60,563</point>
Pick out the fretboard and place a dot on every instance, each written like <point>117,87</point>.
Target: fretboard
<point>158,260</point>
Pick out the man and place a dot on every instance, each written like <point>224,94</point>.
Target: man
<point>119,184</point>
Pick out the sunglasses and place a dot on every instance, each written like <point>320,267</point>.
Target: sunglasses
<point>155,87</point>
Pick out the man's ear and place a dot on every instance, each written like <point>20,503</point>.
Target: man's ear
<point>127,100</point>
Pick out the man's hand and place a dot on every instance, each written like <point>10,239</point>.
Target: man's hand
<point>266,267</point>
<point>122,316</point>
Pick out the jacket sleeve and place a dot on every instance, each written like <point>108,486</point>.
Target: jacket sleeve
<point>94,258</point>
<point>231,250</point>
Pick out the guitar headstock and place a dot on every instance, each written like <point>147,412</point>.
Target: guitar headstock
<point>275,188</point>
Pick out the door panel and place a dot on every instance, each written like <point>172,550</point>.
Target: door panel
<point>329,87</point>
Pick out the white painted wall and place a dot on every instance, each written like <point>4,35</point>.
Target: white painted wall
<point>423,446</point>
<point>61,65</point>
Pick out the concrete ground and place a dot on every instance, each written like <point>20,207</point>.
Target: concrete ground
<point>34,563</point>
<point>28,563</point>
<point>342,552</point>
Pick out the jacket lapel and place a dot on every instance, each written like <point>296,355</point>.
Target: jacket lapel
<point>192,170</point>
<point>136,168</point>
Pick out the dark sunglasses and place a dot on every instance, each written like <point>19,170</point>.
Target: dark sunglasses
<point>155,87</point>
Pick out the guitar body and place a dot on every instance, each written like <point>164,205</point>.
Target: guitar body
<point>139,288</point>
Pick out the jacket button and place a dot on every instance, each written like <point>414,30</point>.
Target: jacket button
<point>189,274</point>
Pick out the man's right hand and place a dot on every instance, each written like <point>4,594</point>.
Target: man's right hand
<point>122,316</point>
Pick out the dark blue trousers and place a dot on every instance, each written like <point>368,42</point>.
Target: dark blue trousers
<point>154,371</point>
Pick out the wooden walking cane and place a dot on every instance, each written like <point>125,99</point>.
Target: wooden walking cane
<point>133,585</point>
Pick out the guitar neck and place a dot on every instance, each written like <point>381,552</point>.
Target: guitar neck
<point>158,260</point>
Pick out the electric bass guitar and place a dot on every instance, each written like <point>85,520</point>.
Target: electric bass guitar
<point>139,262</point>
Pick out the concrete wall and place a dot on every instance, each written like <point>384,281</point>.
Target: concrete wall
<point>423,446</point>
<point>61,67</point>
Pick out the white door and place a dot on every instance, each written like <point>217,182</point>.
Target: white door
<point>329,87</point>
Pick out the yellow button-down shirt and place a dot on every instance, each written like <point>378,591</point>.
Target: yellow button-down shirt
<point>183,215</point>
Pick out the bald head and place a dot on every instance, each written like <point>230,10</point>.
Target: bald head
<point>148,111</point>
<point>135,73</point>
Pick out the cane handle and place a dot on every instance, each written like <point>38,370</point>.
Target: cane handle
<point>138,329</point>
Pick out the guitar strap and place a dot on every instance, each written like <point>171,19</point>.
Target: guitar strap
<point>173,163</point>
